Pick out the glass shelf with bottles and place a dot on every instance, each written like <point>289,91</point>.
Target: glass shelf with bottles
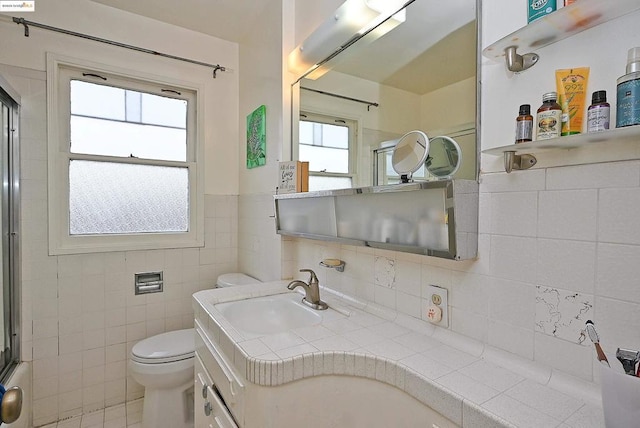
<point>629,133</point>
<point>563,23</point>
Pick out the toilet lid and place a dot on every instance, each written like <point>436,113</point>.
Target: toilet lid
<point>231,279</point>
<point>166,347</point>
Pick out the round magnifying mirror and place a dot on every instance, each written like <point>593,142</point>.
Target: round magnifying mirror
<point>444,157</point>
<point>410,154</point>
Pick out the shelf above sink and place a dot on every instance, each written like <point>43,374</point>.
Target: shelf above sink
<point>631,133</point>
<point>510,152</point>
<point>563,23</point>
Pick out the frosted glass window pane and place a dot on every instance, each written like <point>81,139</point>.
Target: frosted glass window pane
<point>108,138</point>
<point>113,198</point>
<point>89,99</point>
<point>325,158</point>
<point>328,183</point>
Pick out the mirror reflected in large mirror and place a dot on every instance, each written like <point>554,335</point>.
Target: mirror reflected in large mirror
<point>419,76</point>
<point>409,154</point>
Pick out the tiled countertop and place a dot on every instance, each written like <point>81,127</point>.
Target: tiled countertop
<point>470,383</point>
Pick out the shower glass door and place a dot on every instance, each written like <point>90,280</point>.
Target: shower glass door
<point>9,162</point>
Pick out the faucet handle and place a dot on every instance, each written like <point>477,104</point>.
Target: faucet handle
<point>313,278</point>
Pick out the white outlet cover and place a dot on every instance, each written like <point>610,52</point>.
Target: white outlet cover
<point>443,293</point>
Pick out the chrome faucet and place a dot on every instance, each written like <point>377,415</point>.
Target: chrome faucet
<point>312,291</point>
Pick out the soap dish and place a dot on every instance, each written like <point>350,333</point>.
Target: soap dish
<point>333,264</point>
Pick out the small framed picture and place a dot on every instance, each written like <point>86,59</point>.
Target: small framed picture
<point>257,137</point>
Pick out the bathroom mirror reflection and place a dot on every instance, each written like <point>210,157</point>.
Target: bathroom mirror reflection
<point>409,154</point>
<point>443,161</point>
<point>420,75</point>
<point>444,157</point>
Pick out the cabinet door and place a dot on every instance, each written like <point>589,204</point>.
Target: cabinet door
<point>219,412</point>
<point>201,394</point>
<point>210,411</point>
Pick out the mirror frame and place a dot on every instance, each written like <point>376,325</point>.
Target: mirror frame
<point>295,90</point>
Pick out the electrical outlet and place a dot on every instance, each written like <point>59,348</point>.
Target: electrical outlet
<point>437,296</point>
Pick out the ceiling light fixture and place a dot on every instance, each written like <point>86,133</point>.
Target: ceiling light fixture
<point>350,22</point>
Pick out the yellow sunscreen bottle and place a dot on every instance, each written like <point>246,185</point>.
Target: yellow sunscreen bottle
<point>572,92</point>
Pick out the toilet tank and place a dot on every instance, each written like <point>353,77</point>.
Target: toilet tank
<point>231,279</point>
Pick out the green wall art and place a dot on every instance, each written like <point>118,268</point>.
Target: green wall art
<point>257,137</point>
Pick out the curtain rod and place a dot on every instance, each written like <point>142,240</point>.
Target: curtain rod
<point>368,103</point>
<point>22,21</point>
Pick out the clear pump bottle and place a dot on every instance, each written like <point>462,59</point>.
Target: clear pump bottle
<point>628,93</point>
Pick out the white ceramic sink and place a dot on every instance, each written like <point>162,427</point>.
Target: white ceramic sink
<point>269,314</point>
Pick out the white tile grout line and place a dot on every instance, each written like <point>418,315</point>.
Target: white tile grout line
<point>131,413</point>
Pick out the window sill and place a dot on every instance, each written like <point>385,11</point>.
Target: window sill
<point>106,244</point>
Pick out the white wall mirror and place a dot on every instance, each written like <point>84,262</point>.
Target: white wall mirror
<point>421,75</point>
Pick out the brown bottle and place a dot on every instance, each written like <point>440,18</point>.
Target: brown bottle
<point>549,117</point>
<point>524,124</point>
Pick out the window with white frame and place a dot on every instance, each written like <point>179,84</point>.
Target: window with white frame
<point>328,144</point>
<point>123,160</point>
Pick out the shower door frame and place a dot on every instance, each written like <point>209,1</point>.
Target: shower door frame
<point>10,168</point>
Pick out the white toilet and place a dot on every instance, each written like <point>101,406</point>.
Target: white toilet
<point>163,364</point>
<point>232,279</point>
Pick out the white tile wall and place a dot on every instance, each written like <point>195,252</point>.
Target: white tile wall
<point>617,272</point>
<point>259,248</point>
<point>568,214</point>
<point>514,213</point>
<point>516,340</point>
<point>618,220</point>
<point>576,270</point>
<point>598,176</point>
<point>512,302</point>
<point>80,316</point>
<point>573,229</point>
<point>513,257</point>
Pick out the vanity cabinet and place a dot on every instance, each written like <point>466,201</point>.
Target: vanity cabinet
<point>434,218</point>
<point>303,390</point>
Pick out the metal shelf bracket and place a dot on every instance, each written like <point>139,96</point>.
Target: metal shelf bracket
<point>517,62</point>
<point>513,161</point>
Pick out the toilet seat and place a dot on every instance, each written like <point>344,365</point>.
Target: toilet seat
<point>165,348</point>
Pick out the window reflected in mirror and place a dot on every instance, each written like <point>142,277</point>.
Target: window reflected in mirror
<point>422,75</point>
<point>328,144</point>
